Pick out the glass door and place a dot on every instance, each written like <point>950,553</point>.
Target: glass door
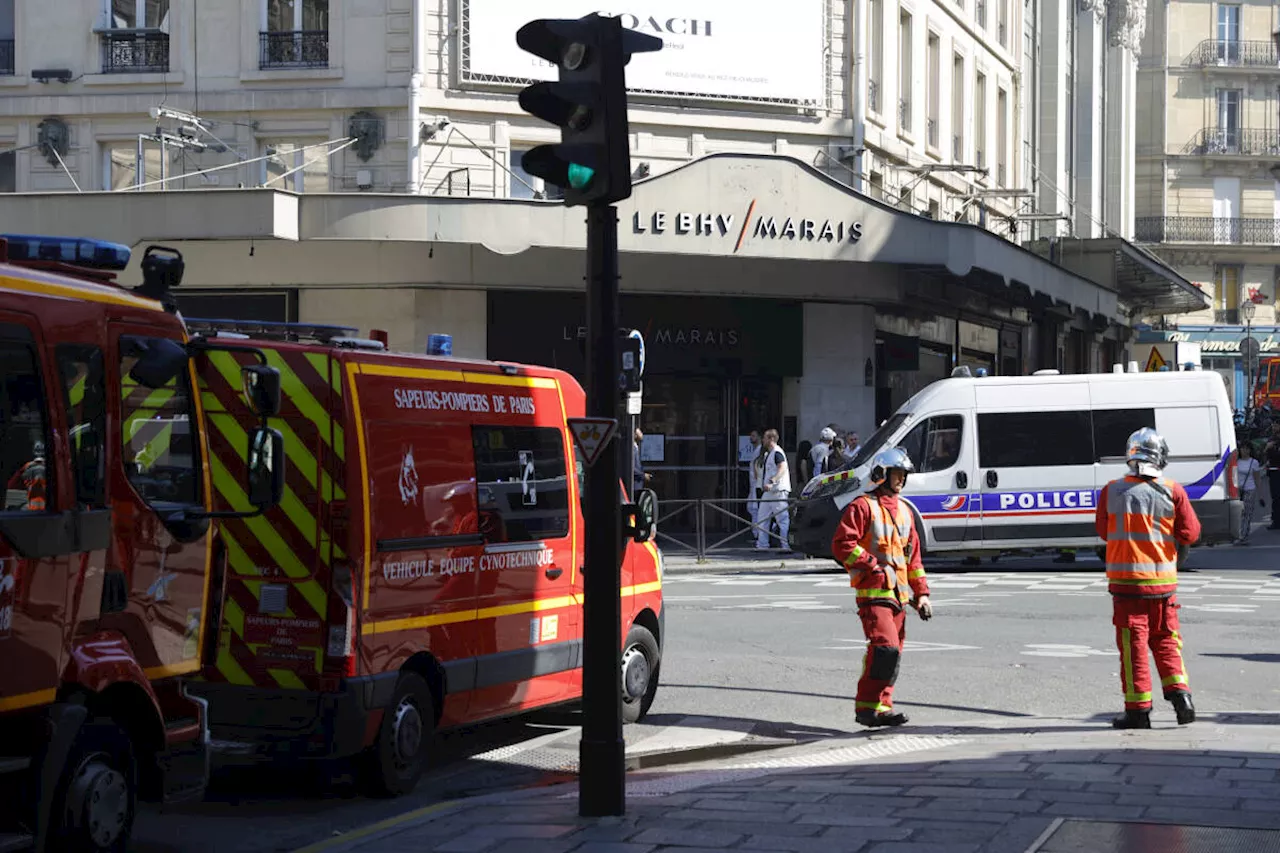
<point>686,444</point>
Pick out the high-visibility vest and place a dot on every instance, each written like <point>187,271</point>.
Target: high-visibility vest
<point>33,478</point>
<point>886,538</point>
<point>1142,553</point>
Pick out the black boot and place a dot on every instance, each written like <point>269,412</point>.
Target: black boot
<point>1183,708</point>
<point>1133,720</point>
<point>872,720</point>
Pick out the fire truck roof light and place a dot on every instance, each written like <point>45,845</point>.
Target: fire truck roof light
<point>79,251</point>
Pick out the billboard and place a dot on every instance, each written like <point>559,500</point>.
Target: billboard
<point>759,50</point>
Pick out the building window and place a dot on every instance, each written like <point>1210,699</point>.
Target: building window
<point>1002,136</point>
<point>1226,136</point>
<point>957,109</point>
<point>136,40</point>
<point>906,77</point>
<point>1228,40</point>
<point>876,185</point>
<point>524,185</point>
<point>521,488</point>
<point>1003,19</point>
<point>980,120</point>
<point>8,172</point>
<point>1226,293</point>
<point>295,34</point>
<point>120,166</point>
<point>875,47</point>
<point>296,165</point>
<point>935,90</point>
<point>7,39</point>
<point>1226,210</point>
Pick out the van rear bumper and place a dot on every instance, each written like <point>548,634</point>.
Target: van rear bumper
<point>250,722</point>
<point>1219,520</point>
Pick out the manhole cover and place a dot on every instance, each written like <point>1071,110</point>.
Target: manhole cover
<point>1090,836</point>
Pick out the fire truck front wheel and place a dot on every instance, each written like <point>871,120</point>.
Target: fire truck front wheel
<point>640,659</point>
<point>398,758</point>
<point>97,794</point>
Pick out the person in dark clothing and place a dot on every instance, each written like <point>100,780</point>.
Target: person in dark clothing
<point>1271,457</point>
<point>639,479</point>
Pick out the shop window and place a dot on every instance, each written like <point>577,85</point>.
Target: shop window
<point>521,486</point>
<point>935,444</point>
<point>296,165</point>
<point>161,458</point>
<point>1112,428</point>
<point>24,435</point>
<point>1034,439</point>
<point>82,377</point>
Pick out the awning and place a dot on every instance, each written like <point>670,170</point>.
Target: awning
<point>1146,285</point>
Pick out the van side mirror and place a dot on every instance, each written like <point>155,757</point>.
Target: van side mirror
<point>641,522</point>
<point>265,485</point>
<point>160,360</point>
<point>262,389</point>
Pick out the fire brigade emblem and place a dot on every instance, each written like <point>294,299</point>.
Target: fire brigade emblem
<point>408,478</point>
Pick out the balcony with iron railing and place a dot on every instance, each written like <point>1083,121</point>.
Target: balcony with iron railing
<point>298,49</point>
<point>7,64</point>
<point>1210,230</point>
<point>904,114</point>
<point>873,96</point>
<point>1237,53</point>
<point>1227,316</point>
<point>135,52</point>
<point>1235,141</point>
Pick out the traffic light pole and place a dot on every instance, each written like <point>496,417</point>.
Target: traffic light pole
<point>602,752</point>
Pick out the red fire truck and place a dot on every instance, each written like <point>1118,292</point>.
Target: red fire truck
<point>107,553</point>
<point>424,569</point>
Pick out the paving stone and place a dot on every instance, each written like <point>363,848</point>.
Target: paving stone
<point>870,803</point>
<point>953,832</point>
<point>1261,806</point>
<point>781,817</point>
<point>1114,788</point>
<point>543,845</point>
<point>1263,763</point>
<point>846,788</point>
<point>844,818</point>
<point>1071,796</point>
<point>867,833</point>
<point>666,835</point>
<point>1176,802</point>
<point>1040,783</point>
<point>1149,775</point>
<point>950,814</point>
<point>963,804</point>
<point>611,847</point>
<point>786,797</point>
<point>1182,760</point>
<point>910,847</point>
<point>1244,774</point>
<point>752,806</point>
<point>984,768</point>
<point>749,827</point>
<point>852,842</point>
<point>940,791</point>
<point>1092,810</point>
<point>1253,789</point>
<point>1018,835</point>
<point>1214,817</point>
<point>1079,771</point>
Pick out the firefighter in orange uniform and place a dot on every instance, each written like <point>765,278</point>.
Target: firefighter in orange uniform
<point>31,477</point>
<point>1144,518</point>
<point>877,542</point>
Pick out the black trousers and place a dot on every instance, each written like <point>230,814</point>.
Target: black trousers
<point>1273,481</point>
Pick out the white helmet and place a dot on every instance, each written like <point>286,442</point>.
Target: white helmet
<point>885,461</point>
<point>37,449</point>
<point>827,434</point>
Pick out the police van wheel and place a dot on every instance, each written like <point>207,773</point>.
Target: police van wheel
<point>97,794</point>
<point>639,674</point>
<point>398,758</point>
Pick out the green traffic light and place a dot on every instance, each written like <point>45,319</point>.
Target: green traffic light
<point>580,176</point>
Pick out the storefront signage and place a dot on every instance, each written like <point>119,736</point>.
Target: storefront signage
<point>696,336</point>
<point>1227,342</point>
<point>742,49</point>
<point>752,226</point>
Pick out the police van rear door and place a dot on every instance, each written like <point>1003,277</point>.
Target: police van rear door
<point>1035,465</point>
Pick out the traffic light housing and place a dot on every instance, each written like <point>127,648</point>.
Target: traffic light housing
<point>592,162</point>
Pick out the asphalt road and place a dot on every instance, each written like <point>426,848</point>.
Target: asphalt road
<point>780,652</point>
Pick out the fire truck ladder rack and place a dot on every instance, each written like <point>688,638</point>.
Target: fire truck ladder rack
<point>338,336</point>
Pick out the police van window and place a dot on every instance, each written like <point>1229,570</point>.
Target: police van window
<point>872,445</point>
<point>934,445</point>
<point>82,377</point>
<point>24,435</point>
<point>521,490</point>
<point>1034,439</point>
<point>1112,428</point>
<point>161,457</point>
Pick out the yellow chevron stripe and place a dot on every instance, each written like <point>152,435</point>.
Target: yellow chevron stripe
<point>301,396</point>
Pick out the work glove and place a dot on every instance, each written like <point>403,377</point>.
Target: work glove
<point>924,608</point>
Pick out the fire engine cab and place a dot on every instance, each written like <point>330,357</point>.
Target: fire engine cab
<point>424,569</point>
<point>107,545</point>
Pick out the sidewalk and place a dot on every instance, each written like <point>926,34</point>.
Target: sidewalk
<point>1031,784</point>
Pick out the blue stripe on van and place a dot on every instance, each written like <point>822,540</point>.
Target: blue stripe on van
<point>1200,487</point>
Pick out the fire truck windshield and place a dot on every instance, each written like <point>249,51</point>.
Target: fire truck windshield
<point>160,452</point>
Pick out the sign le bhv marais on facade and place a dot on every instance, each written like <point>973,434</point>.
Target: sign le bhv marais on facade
<point>758,50</point>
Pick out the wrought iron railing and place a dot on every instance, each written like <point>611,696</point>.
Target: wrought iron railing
<point>931,132</point>
<point>1252,54</point>
<point>1207,229</point>
<point>873,96</point>
<point>135,53</point>
<point>298,49</point>
<point>1238,141</point>
<point>904,114</point>
<point>7,64</point>
<point>1226,315</point>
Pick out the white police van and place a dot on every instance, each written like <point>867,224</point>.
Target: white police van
<point>1014,463</point>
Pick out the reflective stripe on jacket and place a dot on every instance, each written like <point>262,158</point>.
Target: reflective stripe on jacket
<point>887,539</point>
<point>1142,552</point>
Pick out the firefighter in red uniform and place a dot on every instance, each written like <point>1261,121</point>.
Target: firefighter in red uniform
<point>877,542</point>
<point>31,477</point>
<point>1144,517</point>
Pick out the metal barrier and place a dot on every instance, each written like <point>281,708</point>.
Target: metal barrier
<point>705,509</point>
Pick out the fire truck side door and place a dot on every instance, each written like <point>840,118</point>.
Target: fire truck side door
<point>36,539</point>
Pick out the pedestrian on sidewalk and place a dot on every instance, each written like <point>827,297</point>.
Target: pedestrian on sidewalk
<point>1144,517</point>
<point>776,485</point>
<point>1248,472</point>
<point>877,541</point>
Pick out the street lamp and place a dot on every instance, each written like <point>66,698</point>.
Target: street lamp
<point>1249,348</point>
